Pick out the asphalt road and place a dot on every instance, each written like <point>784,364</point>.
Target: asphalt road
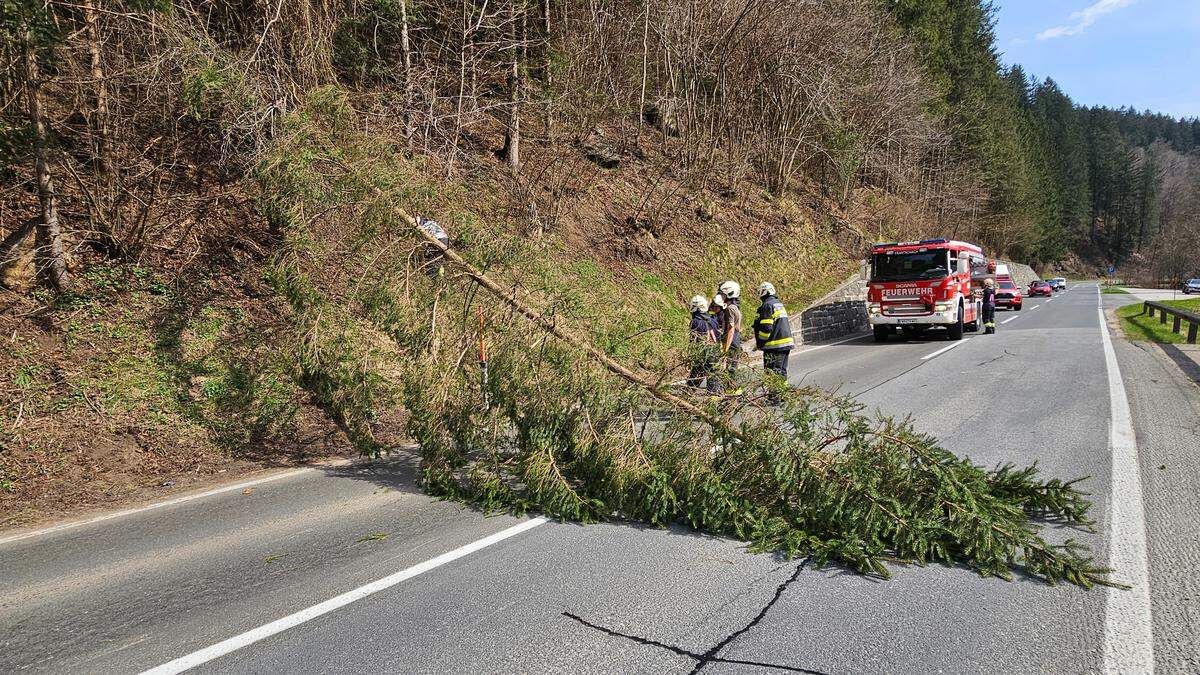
<point>141,590</point>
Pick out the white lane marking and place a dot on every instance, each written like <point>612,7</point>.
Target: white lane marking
<point>830,344</point>
<point>1010,319</point>
<point>1128,627</point>
<point>758,364</point>
<point>945,349</point>
<point>236,642</point>
<point>157,505</point>
<point>1034,307</point>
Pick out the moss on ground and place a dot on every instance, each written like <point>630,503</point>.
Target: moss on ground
<point>132,381</point>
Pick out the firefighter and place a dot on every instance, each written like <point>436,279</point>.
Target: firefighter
<point>703,335</point>
<point>989,306</point>
<point>729,334</point>
<point>773,333</point>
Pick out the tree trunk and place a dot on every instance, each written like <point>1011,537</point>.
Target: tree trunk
<point>548,71</point>
<point>107,217</point>
<point>50,244</point>
<point>464,50</point>
<point>517,30</point>
<point>406,51</point>
<point>645,71</point>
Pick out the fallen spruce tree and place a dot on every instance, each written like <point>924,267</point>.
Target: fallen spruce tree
<point>561,427</point>
<point>550,431</point>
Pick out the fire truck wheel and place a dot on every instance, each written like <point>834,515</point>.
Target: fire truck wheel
<point>956,328</point>
<point>881,333</point>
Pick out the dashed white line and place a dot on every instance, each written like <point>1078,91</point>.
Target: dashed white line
<point>945,349</point>
<point>1128,626</point>
<point>1010,319</point>
<point>236,642</point>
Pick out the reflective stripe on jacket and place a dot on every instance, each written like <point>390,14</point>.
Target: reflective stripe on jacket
<point>772,330</point>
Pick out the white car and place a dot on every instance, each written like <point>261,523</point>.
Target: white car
<point>1058,283</point>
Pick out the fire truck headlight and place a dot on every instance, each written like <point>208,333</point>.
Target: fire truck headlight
<point>873,308</point>
<point>941,307</point>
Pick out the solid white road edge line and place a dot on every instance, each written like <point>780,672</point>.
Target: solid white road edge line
<point>945,349</point>
<point>236,642</point>
<point>1128,627</point>
<point>157,505</point>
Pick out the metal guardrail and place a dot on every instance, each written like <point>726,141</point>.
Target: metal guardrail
<point>1178,314</point>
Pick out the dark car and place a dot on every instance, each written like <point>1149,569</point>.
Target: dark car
<point>1191,286</point>
<point>1041,288</point>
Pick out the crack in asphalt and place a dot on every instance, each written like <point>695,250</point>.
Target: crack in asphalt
<point>712,655</point>
<point>984,363</point>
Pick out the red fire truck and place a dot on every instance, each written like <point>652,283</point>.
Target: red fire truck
<point>917,285</point>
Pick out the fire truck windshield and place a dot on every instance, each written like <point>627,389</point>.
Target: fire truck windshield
<point>910,265</point>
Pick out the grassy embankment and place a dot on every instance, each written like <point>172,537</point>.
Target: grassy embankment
<point>347,264</point>
<point>151,377</point>
<point>1139,326</point>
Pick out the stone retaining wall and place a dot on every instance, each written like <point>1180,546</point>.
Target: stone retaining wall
<point>1022,275</point>
<point>833,320</point>
<point>840,312</point>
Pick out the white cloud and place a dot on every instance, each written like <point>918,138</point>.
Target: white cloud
<point>1084,18</point>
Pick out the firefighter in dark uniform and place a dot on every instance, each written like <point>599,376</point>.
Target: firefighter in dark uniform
<point>703,332</point>
<point>989,306</point>
<point>773,333</point>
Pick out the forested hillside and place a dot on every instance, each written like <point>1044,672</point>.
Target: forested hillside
<point>1108,185</point>
<point>205,247</point>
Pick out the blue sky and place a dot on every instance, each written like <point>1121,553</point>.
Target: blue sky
<point>1143,53</point>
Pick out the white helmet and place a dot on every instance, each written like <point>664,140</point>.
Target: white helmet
<point>699,303</point>
<point>731,289</point>
<point>719,301</point>
<point>766,288</point>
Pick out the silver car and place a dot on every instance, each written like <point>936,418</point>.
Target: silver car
<point>1191,286</point>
